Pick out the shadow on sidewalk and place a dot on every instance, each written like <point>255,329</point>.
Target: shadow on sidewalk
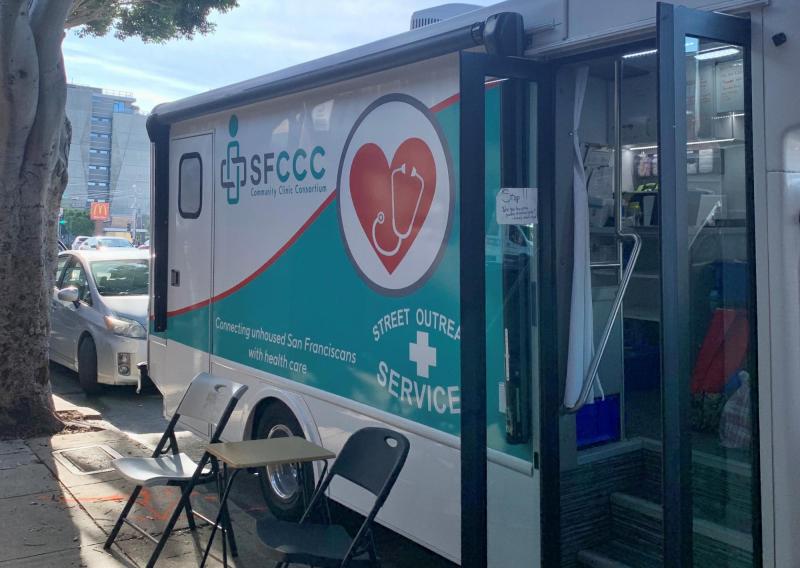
<point>63,516</point>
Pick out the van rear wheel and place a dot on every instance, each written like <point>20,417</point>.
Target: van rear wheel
<point>281,485</point>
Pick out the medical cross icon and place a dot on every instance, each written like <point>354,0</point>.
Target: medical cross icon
<point>422,354</point>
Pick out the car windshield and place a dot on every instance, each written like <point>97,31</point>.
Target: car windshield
<point>117,243</point>
<point>128,277</point>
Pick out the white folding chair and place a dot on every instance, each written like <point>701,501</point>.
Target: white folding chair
<point>210,400</point>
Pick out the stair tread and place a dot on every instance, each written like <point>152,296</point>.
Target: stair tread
<point>707,528</point>
<point>726,514</point>
<point>618,554</point>
<point>737,465</point>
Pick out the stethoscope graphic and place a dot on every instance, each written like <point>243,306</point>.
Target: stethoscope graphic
<point>401,235</point>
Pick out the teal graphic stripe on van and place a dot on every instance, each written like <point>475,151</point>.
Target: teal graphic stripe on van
<point>191,328</point>
<point>263,267</point>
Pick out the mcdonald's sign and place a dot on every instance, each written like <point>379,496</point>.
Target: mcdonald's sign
<point>99,211</point>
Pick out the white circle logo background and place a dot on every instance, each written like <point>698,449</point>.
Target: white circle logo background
<point>387,123</point>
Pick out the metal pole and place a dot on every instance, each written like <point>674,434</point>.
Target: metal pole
<point>618,221</point>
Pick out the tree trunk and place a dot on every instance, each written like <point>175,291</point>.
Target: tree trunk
<point>34,145</point>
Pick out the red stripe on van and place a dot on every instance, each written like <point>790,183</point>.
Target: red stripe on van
<point>453,99</point>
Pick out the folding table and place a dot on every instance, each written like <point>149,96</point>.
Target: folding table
<point>260,453</point>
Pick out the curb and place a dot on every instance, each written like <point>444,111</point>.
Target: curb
<point>84,412</point>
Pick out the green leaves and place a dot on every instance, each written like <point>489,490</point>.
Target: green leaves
<point>152,20</point>
<point>77,222</point>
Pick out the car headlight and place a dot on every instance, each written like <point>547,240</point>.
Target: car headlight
<point>125,327</point>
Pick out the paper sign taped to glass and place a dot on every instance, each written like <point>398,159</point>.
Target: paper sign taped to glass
<point>517,206</point>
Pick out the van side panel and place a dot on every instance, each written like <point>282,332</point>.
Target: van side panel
<point>336,277</point>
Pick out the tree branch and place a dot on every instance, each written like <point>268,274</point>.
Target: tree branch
<point>85,11</point>
<point>47,23</point>
<point>19,86</point>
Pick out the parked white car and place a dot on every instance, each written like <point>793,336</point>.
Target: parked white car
<point>78,241</point>
<point>100,243</point>
<point>99,315</point>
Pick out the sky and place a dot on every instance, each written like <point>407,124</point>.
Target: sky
<point>258,37</point>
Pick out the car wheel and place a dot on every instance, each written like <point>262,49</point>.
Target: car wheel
<point>281,485</point>
<point>87,366</point>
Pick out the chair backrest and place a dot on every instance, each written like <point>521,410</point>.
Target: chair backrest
<point>211,399</point>
<point>372,458</point>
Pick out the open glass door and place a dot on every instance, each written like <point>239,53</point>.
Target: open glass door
<point>710,458</point>
<point>506,267</point>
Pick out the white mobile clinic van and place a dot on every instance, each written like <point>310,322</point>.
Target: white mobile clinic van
<point>554,242</point>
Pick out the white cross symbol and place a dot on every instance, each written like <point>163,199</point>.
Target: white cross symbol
<point>422,354</point>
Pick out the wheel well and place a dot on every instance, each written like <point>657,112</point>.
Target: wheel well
<point>81,339</point>
<point>260,409</point>
<point>294,403</point>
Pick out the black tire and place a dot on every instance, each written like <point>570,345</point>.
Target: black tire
<point>276,419</point>
<point>87,366</point>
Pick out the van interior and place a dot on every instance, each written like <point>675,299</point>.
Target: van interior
<point>611,487</point>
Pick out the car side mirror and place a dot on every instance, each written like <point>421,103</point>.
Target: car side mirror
<point>68,294</point>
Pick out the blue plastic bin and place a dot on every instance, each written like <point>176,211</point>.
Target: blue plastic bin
<point>598,423</point>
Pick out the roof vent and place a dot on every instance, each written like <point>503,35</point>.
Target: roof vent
<point>422,18</point>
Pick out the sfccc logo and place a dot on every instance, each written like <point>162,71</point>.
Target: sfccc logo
<point>294,171</point>
<point>395,193</point>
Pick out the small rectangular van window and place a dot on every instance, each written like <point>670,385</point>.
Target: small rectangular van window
<point>190,185</point>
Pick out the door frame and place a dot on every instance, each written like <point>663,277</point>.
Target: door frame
<point>674,23</point>
<point>474,69</point>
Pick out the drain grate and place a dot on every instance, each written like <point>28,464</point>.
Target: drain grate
<point>87,460</point>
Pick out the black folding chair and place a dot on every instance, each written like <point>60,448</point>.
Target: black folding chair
<point>210,400</point>
<point>371,458</point>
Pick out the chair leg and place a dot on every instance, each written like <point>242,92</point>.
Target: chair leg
<point>171,523</point>
<point>226,522</point>
<point>190,514</point>
<point>373,553</point>
<point>122,516</point>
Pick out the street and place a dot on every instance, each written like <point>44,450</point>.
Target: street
<point>139,416</point>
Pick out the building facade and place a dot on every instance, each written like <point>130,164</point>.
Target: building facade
<point>109,159</point>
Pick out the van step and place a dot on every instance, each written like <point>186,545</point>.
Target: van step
<point>638,522</point>
<point>721,489</point>
<point>637,539</point>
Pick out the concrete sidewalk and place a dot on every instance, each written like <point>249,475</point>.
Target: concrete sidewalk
<point>55,514</point>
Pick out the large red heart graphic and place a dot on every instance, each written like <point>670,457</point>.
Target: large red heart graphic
<point>392,200</point>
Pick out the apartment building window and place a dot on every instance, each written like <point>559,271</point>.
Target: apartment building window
<point>119,106</point>
<point>101,119</point>
<point>99,151</point>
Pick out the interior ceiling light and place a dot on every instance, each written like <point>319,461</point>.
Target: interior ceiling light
<point>729,115</point>
<point>716,53</point>
<point>639,53</point>
<point>693,143</point>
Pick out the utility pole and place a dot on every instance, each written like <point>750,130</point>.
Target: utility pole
<point>135,208</point>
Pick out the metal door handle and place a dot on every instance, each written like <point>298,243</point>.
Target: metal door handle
<point>174,277</point>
